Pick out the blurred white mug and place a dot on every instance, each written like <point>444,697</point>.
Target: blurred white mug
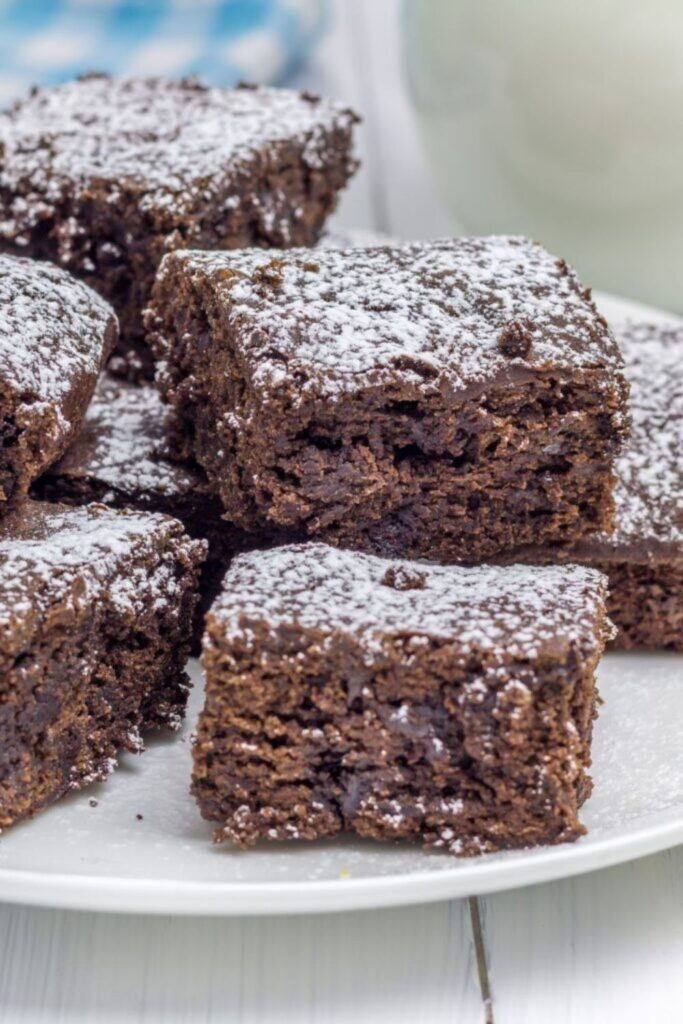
<point>563,121</point>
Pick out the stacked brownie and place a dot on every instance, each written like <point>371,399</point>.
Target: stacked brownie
<point>106,175</point>
<point>350,430</point>
<point>98,602</point>
<point>95,605</point>
<point>447,400</point>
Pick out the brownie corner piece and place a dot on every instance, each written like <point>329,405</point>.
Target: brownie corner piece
<point>55,335</point>
<point>104,175</point>
<point>398,700</point>
<point>446,400</point>
<point>96,608</point>
<point>643,555</point>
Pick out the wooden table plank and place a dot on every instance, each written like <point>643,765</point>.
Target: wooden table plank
<point>603,947</point>
<point>408,965</point>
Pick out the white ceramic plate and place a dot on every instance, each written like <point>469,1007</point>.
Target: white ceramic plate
<point>104,857</point>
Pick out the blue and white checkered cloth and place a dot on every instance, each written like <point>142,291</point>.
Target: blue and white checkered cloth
<point>48,41</point>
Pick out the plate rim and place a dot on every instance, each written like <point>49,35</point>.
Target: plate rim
<point>478,876</point>
<point>482,876</point>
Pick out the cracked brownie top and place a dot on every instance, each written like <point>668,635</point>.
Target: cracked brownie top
<point>442,315</point>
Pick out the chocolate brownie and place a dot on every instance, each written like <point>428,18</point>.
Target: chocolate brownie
<point>105,175</point>
<point>55,334</point>
<point>643,556</point>
<point>121,458</point>
<point>398,700</point>
<point>95,612</point>
<point>446,400</point>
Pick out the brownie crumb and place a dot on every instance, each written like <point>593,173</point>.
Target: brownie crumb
<point>269,275</point>
<point>515,340</point>
<point>139,817</point>
<point>93,803</point>
<point>400,577</point>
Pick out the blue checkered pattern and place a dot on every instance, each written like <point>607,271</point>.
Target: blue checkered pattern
<point>49,41</point>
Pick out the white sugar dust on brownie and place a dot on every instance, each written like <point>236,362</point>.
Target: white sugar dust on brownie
<point>121,458</point>
<point>446,400</point>
<point>643,555</point>
<point>55,335</point>
<point>96,609</point>
<point>105,175</point>
<point>398,700</point>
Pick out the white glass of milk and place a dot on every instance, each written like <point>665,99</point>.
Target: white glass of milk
<point>560,120</point>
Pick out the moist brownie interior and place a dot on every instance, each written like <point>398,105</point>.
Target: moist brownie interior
<point>446,400</point>
<point>95,616</point>
<point>398,700</point>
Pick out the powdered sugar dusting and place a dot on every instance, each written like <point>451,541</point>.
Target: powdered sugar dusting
<point>52,330</point>
<point>649,493</point>
<point>518,609</point>
<point>48,552</point>
<point>432,313</point>
<point>172,142</point>
<point>122,443</point>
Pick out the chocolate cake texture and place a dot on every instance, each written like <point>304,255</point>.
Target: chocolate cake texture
<point>105,175</point>
<point>398,700</point>
<point>643,554</point>
<point>95,615</point>
<point>121,458</point>
<point>55,335</point>
<point>446,400</point>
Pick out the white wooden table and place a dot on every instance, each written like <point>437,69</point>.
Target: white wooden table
<point>603,948</point>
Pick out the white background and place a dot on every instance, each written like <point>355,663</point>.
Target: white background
<point>606,947</point>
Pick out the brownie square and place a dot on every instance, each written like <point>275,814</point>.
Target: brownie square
<point>55,334</point>
<point>446,400</point>
<point>643,555</point>
<point>95,614</point>
<point>398,700</point>
<point>121,458</point>
<point>105,175</point>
